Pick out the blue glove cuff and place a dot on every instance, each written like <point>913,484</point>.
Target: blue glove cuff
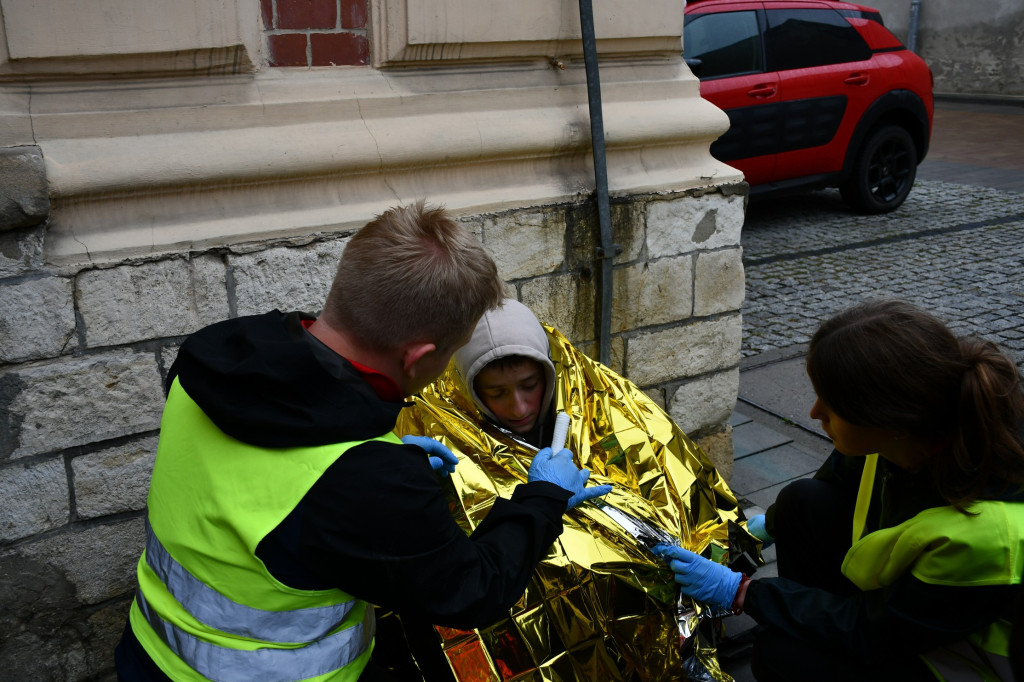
<point>726,596</point>
<point>755,524</point>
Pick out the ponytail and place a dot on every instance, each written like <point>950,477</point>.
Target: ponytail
<point>986,452</point>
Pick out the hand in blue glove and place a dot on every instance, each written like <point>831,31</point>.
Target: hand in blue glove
<point>755,524</point>
<point>558,468</point>
<point>441,458</point>
<point>700,578</point>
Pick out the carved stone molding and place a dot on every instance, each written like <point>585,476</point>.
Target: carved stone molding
<point>147,169</point>
<point>50,39</point>
<point>451,31</point>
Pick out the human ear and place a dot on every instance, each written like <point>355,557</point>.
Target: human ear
<point>413,354</point>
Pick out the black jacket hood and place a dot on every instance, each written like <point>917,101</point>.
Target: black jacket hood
<point>268,382</point>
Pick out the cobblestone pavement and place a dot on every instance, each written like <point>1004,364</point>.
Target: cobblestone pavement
<point>957,251</point>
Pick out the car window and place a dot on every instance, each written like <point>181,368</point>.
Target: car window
<point>801,38</point>
<point>726,43</point>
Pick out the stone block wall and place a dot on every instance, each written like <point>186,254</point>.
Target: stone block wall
<point>84,352</point>
<point>974,49</point>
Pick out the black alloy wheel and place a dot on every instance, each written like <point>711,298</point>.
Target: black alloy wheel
<point>883,172</point>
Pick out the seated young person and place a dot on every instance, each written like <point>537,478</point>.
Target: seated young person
<point>901,558</point>
<point>600,605</point>
<point>507,369</point>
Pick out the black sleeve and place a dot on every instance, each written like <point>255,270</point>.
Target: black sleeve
<point>909,617</point>
<point>378,526</point>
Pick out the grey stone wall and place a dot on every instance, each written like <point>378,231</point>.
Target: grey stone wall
<point>83,354</point>
<point>25,199</point>
<point>973,48</point>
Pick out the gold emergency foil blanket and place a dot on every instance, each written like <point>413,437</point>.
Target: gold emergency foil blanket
<point>600,606</point>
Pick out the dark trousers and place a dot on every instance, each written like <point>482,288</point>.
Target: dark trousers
<point>813,531</point>
<point>813,527</point>
<point>777,657</point>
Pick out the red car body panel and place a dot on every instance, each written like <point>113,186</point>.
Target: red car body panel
<point>745,91</point>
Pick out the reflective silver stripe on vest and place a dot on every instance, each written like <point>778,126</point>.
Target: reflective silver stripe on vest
<point>210,607</point>
<point>267,665</point>
<point>962,662</point>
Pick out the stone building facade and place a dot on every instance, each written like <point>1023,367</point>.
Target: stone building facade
<point>975,49</point>
<point>168,165</point>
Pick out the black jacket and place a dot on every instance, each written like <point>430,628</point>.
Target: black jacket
<point>376,524</point>
<point>910,616</point>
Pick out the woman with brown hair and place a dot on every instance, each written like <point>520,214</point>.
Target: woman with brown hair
<point>900,558</point>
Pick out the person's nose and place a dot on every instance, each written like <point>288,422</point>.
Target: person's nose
<point>519,405</point>
<point>816,411</point>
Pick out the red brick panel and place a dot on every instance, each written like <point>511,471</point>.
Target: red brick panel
<point>353,13</point>
<point>307,14</point>
<point>288,49</point>
<point>267,8</point>
<point>316,32</point>
<point>339,49</point>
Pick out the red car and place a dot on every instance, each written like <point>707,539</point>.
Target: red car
<point>818,93</point>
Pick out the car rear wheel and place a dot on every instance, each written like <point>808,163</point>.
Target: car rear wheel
<point>883,171</point>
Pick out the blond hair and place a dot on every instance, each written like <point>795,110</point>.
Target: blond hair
<point>412,274</point>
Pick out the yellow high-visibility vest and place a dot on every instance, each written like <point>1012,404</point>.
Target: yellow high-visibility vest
<point>206,607</point>
<point>942,546</point>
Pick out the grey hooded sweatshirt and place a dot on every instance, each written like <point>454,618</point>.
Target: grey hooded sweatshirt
<point>512,329</point>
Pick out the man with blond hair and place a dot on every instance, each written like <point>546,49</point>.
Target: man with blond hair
<point>282,506</point>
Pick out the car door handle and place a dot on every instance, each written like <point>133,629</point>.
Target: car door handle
<point>761,91</point>
<point>856,79</point>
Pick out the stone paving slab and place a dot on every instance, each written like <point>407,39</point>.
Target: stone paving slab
<point>737,418</point>
<point>770,467</point>
<point>784,389</point>
<point>752,438</point>
<point>766,496</point>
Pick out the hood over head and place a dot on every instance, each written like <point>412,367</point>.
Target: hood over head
<point>511,329</point>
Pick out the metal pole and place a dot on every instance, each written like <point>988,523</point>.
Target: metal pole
<point>607,251</point>
<point>915,13</point>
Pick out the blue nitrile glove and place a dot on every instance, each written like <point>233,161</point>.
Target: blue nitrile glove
<point>700,578</point>
<point>441,458</point>
<point>755,524</point>
<point>558,468</point>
